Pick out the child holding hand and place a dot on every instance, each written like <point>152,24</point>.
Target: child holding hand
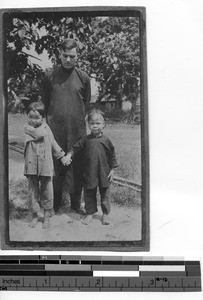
<point>40,145</point>
<point>99,165</point>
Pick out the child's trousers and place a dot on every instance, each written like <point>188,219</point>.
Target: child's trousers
<point>41,192</point>
<point>90,197</point>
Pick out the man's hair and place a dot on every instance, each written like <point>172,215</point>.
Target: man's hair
<point>94,112</point>
<point>36,106</point>
<point>68,44</point>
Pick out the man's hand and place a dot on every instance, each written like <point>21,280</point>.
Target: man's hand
<point>111,175</point>
<point>66,160</point>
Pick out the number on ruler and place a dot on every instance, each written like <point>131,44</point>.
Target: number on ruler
<point>152,282</point>
<point>98,282</point>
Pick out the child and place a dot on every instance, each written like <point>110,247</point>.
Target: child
<point>99,164</point>
<point>39,147</point>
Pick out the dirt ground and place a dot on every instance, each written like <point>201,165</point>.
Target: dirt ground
<point>125,225</point>
<point>67,226</point>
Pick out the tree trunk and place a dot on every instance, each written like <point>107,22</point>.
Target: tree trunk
<point>134,112</point>
<point>134,105</point>
<point>102,92</point>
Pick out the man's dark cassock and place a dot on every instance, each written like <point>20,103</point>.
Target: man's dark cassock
<point>66,96</point>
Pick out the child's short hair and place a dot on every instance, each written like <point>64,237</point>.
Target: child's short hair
<point>36,106</point>
<point>95,112</point>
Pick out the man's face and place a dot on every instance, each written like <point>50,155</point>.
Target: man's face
<point>68,58</point>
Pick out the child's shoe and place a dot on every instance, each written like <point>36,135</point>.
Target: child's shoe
<point>34,221</point>
<point>87,220</point>
<point>105,220</point>
<point>51,212</point>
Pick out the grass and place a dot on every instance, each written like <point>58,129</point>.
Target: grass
<point>126,140</point>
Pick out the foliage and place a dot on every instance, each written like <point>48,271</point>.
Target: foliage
<point>18,198</point>
<point>115,57</point>
<point>23,89</point>
<point>24,79</point>
<point>109,51</point>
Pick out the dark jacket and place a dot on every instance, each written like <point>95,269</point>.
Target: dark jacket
<point>66,96</point>
<point>98,157</point>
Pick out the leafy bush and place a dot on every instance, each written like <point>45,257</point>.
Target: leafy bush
<point>18,198</point>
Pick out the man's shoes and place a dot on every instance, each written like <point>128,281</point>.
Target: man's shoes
<point>80,211</point>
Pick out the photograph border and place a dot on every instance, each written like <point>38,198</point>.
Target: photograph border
<point>144,243</point>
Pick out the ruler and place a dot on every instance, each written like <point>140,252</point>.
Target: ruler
<point>98,273</point>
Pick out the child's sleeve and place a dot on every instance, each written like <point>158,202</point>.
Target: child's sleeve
<point>57,151</point>
<point>112,156</point>
<point>77,147</point>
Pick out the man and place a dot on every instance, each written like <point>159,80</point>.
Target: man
<point>66,96</point>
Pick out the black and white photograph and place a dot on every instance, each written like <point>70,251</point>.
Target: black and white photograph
<point>76,160</point>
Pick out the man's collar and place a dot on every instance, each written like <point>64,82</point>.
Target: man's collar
<point>67,70</point>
